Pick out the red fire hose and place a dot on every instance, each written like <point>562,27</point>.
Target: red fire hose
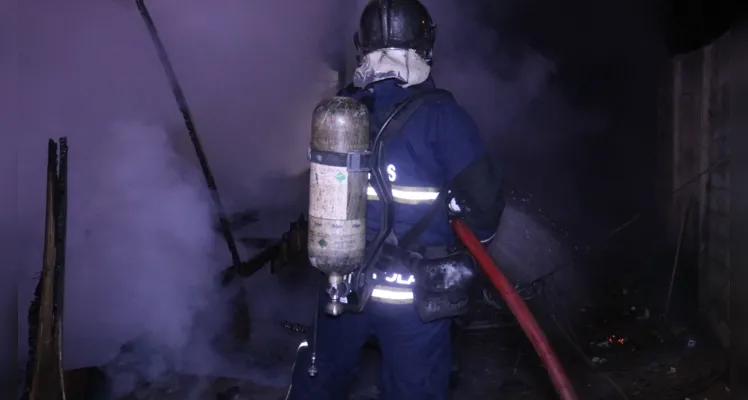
<point>518,307</point>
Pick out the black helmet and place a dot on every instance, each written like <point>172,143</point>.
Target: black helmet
<point>399,24</point>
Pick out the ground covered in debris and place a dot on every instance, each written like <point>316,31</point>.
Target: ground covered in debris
<point>622,350</point>
<point>616,354</point>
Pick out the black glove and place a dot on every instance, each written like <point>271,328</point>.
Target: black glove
<point>443,286</point>
<point>453,273</point>
<point>456,209</point>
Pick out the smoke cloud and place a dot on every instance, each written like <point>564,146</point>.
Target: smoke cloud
<point>142,255</point>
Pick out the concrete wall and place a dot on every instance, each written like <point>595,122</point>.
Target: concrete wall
<point>697,115</point>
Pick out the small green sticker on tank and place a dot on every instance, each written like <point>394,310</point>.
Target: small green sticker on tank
<point>340,177</point>
<point>322,243</point>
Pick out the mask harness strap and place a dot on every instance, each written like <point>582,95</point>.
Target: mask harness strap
<point>395,130</point>
<point>391,129</point>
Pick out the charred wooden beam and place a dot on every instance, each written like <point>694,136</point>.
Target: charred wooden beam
<point>44,372</point>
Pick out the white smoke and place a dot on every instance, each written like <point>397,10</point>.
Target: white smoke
<point>141,240</point>
<point>142,259</point>
<point>141,253</point>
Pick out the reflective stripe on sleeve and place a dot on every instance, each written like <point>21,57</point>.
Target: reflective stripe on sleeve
<point>408,194</point>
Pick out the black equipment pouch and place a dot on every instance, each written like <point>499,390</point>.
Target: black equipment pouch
<point>442,287</point>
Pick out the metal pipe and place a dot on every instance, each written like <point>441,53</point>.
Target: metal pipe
<point>176,89</point>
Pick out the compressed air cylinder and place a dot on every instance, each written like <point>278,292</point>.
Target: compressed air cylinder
<point>337,185</point>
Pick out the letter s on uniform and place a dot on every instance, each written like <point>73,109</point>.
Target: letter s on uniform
<point>391,172</point>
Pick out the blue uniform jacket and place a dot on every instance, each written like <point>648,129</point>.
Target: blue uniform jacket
<point>438,142</point>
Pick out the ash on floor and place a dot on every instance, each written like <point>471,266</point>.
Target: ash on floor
<point>615,355</point>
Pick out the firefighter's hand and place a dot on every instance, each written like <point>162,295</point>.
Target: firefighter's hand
<point>456,209</point>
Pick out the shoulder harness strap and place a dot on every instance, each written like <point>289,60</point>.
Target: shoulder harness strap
<point>392,129</point>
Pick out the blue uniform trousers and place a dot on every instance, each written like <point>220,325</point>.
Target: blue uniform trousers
<point>416,356</point>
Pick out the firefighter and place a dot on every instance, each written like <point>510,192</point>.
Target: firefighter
<point>438,168</point>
